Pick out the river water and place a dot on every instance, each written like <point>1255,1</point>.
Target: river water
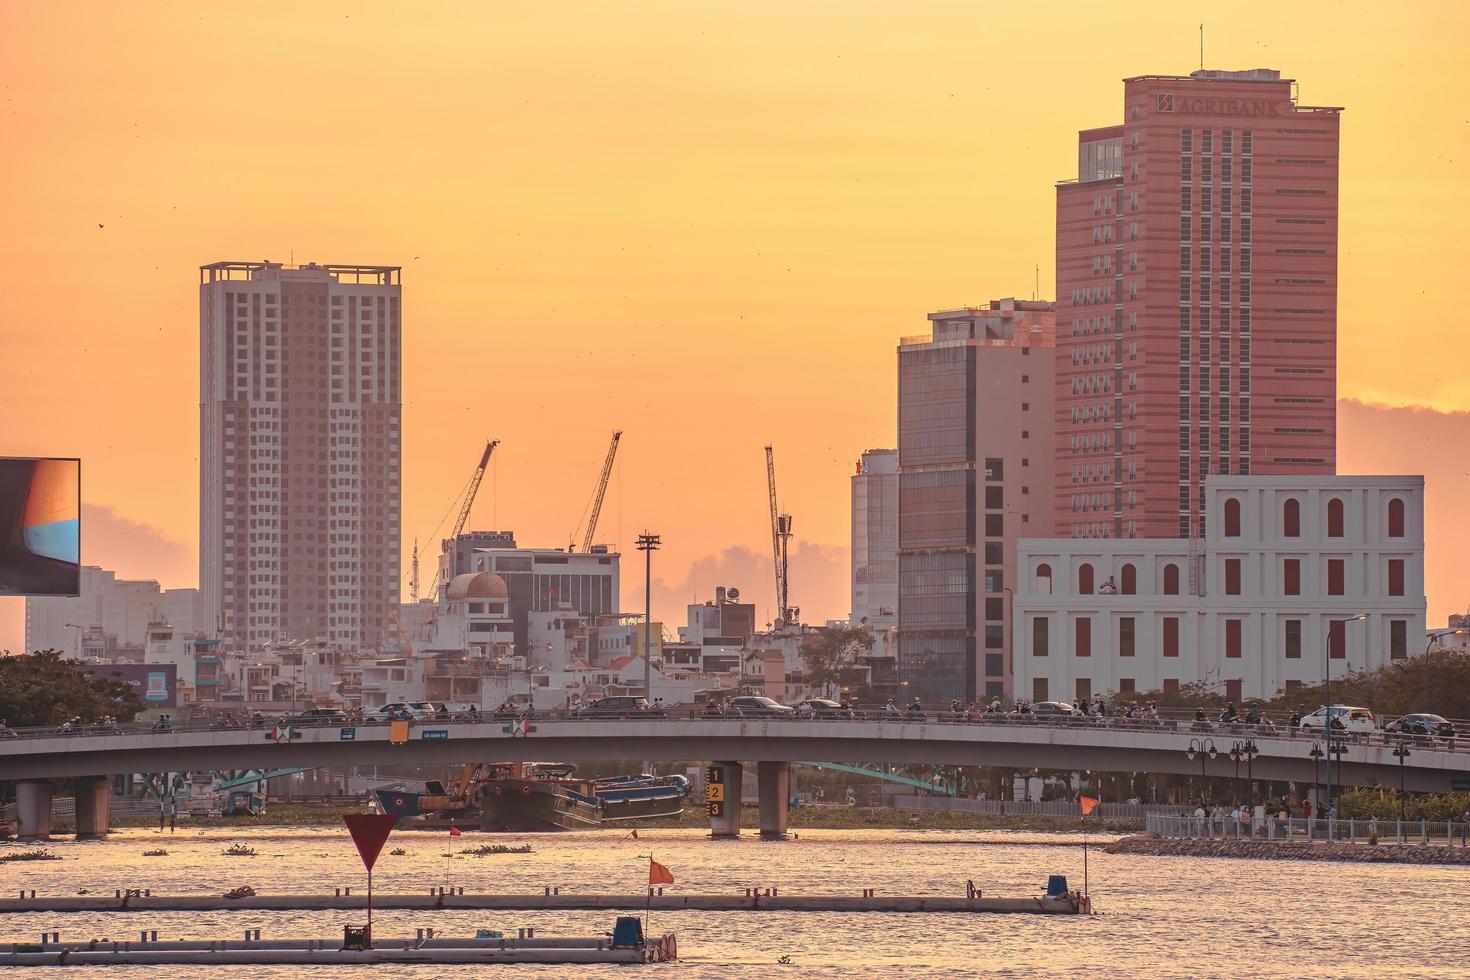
<point>1158,917</point>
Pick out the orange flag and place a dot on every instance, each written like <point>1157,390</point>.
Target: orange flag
<point>1088,804</point>
<point>453,831</point>
<point>658,874</point>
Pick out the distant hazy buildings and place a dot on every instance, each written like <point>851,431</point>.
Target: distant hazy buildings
<point>1283,559</point>
<point>875,538</point>
<point>111,616</point>
<point>300,448</point>
<point>1197,298</point>
<point>975,463</point>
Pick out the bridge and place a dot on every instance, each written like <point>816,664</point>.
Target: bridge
<point>35,760</point>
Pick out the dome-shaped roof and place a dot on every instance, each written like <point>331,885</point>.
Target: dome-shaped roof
<point>477,585</point>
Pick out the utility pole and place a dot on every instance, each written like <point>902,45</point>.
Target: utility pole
<point>648,544</point>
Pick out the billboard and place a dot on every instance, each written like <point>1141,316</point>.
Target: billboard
<point>40,526</point>
<point>157,684</point>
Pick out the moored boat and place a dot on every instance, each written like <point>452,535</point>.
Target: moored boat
<point>537,797</point>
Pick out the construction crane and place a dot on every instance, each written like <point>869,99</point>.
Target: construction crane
<point>780,543</point>
<point>469,495</point>
<point>413,579</point>
<point>598,494</point>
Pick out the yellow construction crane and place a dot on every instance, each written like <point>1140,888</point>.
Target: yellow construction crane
<point>469,495</point>
<point>780,544</point>
<point>596,505</point>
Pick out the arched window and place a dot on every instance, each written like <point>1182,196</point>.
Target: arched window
<point>1291,518</point>
<point>1232,517</point>
<point>1084,579</point>
<point>1043,579</point>
<point>1396,517</point>
<point>1129,576</point>
<point>1171,579</point>
<point>1334,518</point>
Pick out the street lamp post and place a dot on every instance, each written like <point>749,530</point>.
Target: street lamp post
<point>648,544</point>
<point>1251,754</point>
<point>1237,753</point>
<point>1317,755</point>
<point>1327,692</point>
<point>1204,748</point>
<point>1402,754</point>
<point>1434,638</point>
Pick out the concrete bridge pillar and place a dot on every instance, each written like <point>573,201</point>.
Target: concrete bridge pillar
<point>33,809</point>
<point>93,794</point>
<point>773,780</point>
<point>724,783</point>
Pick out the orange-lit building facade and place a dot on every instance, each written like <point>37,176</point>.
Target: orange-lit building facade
<point>1196,301</point>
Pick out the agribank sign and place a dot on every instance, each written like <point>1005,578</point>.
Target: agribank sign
<point>1220,107</point>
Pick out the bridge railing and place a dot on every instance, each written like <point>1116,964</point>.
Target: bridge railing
<point>1347,830</point>
<point>1220,733</point>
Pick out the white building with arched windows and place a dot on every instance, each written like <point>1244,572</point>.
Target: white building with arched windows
<point>1250,610</point>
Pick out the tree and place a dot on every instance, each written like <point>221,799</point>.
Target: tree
<point>827,652</point>
<point>1395,689</point>
<point>45,688</point>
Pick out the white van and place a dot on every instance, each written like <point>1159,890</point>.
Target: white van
<point>1344,718</point>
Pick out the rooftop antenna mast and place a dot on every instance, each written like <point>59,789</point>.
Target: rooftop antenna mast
<point>1201,47</point>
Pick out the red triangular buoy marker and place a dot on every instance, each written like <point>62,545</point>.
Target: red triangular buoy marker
<point>369,832</point>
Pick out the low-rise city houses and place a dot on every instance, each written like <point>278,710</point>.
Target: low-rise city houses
<point>1254,609</point>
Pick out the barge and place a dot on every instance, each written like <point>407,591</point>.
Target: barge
<point>536,797</point>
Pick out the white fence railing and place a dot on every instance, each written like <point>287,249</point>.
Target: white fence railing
<point>1344,830</point>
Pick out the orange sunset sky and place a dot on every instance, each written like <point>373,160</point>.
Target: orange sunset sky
<point>705,223</point>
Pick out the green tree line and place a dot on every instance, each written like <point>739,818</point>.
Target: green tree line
<point>45,688</point>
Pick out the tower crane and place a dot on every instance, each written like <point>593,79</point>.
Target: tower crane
<point>780,543</point>
<point>469,495</point>
<point>601,491</point>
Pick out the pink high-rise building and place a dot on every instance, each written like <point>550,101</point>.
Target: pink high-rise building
<point>1196,301</point>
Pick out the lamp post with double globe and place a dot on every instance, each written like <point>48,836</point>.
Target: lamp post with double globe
<point>1204,748</point>
<point>1402,754</point>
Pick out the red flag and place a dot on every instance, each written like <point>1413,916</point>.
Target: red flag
<point>453,831</point>
<point>369,832</point>
<point>658,874</point>
<point>1088,804</point>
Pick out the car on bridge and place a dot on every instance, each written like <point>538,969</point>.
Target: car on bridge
<point>619,706</point>
<point>1422,724</point>
<point>417,710</point>
<point>1052,709</point>
<point>1345,717</point>
<point>821,708</point>
<point>758,706</point>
